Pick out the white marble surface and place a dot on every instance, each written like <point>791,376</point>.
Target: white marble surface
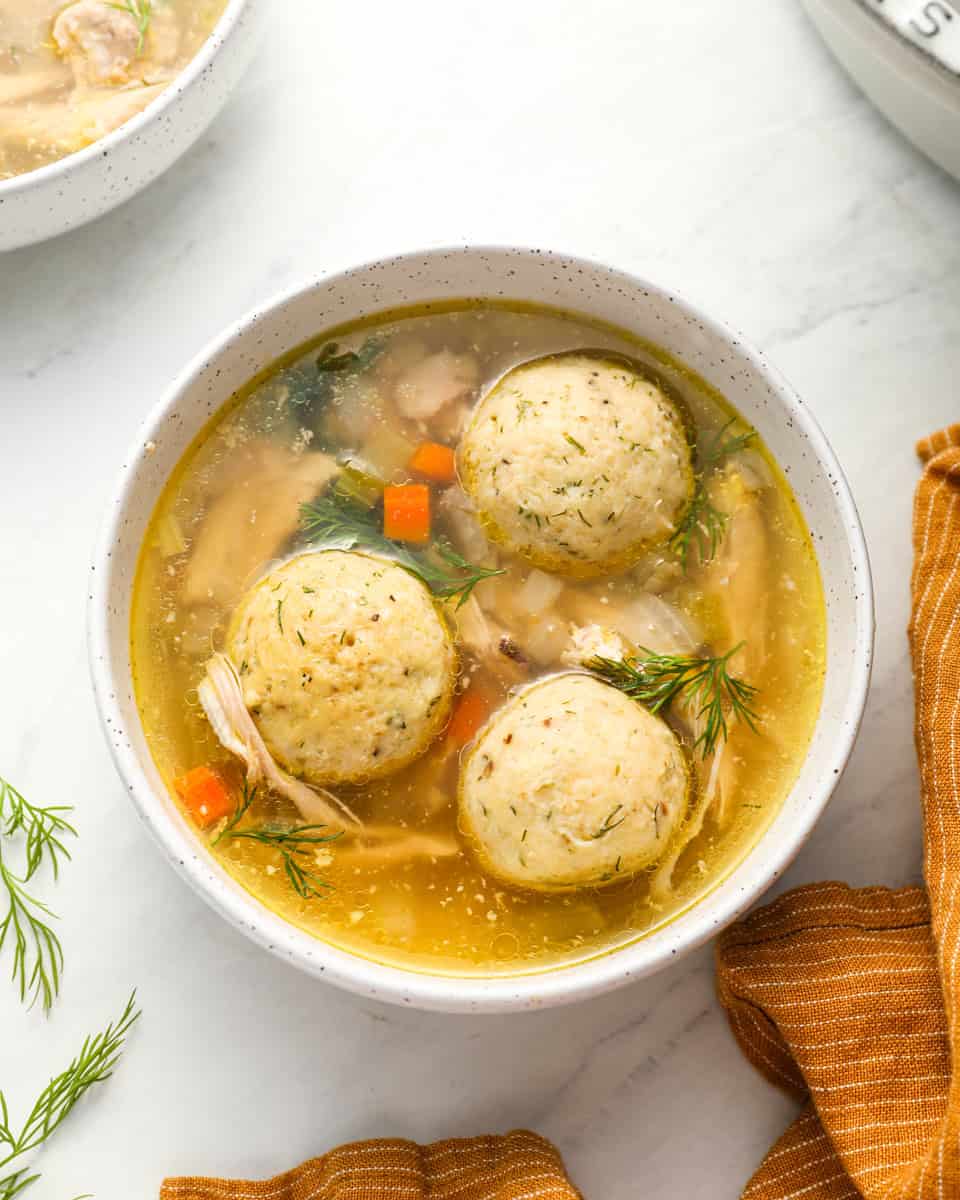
<point>725,156</point>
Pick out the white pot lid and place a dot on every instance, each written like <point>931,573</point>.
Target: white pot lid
<point>905,54</point>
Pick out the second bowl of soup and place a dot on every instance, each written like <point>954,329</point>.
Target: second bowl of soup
<point>461,631</point>
<point>98,97</point>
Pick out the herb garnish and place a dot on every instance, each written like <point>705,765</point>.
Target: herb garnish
<point>94,1064</point>
<point>337,521</point>
<point>703,524</point>
<point>292,842</point>
<point>706,684</point>
<point>142,13</point>
<point>310,385</point>
<point>573,442</point>
<point>610,822</point>
<point>37,953</point>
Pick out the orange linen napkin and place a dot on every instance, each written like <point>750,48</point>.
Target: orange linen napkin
<point>518,1166</point>
<point>849,999</point>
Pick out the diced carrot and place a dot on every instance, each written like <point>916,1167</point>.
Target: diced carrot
<point>204,795</point>
<point>470,713</point>
<point>406,512</point>
<point>434,461</point>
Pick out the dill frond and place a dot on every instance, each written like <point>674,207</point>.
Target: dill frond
<point>94,1064</point>
<point>337,521</point>
<point>705,684</point>
<point>703,525</point>
<point>142,13</point>
<point>293,845</point>
<point>25,925</point>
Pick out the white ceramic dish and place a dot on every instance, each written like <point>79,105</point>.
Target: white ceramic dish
<point>77,189</point>
<point>721,356</point>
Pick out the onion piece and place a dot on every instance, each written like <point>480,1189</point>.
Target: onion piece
<point>650,622</point>
<point>537,593</point>
<point>222,699</point>
<point>433,383</point>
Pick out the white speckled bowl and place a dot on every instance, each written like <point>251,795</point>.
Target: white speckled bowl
<point>76,189</point>
<point>715,352</point>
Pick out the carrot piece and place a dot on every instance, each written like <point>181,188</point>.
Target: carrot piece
<point>406,512</point>
<point>204,795</point>
<point>436,462</point>
<point>469,715</point>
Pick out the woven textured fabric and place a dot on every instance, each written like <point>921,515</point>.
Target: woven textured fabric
<point>517,1166</point>
<point>849,999</point>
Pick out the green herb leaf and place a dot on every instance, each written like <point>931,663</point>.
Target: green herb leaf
<point>311,386</point>
<point>13,1185</point>
<point>142,13</point>
<point>37,953</point>
<point>703,525</point>
<point>94,1064</point>
<point>655,680</point>
<point>293,844</point>
<point>336,521</point>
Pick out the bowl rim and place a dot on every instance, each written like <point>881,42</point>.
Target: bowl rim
<point>464,993</point>
<point>102,147</point>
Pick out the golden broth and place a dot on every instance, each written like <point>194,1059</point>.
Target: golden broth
<point>446,915</point>
<point>52,103</point>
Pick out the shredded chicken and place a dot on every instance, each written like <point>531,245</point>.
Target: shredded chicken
<point>262,498</point>
<point>99,40</point>
<point>594,641</point>
<point>741,575</point>
<point>388,845</point>
<point>661,882</point>
<point>222,700</point>
<point>740,572</point>
<point>433,383</point>
<point>468,535</point>
<point>378,845</point>
<point>15,89</point>
<point>81,121</point>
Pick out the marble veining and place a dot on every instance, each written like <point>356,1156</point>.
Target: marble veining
<point>723,155</point>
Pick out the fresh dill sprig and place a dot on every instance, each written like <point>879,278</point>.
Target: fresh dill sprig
<point>37,953</point>
<point>247,797</point>
<point>293,843</point>
<point>703,524</point>
<point>311,385</point>
<point>13,1185</point>
<point>93,1065</point>
<point>442,584</point>
<point>142,13</point>
<point>705,684</point>
<point>337,521</point>
<point>44,828</point>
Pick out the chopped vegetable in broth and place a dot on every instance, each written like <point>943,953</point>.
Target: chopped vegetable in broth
<point>71,73</point>
<point>478,639</point>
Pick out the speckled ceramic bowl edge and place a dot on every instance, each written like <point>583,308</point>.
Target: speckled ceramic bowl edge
<point>536,275</point>
<point>79,188</point>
